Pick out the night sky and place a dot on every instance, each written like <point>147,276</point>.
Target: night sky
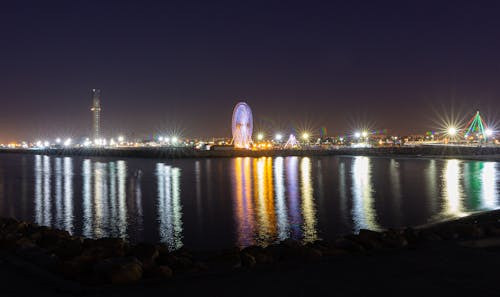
<point>181,66</point>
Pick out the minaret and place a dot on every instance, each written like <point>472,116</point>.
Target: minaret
<point>96,113</point>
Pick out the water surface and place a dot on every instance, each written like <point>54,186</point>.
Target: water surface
<point>217,203</point>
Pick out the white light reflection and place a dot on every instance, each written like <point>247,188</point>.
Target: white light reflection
<point>87,195</point>
<point>47,199</point>
<point>489,185</point>
<point>308,207</point>
<point>58,186</point>
<point>38,189</point>
<point>113,195</point>
<point>100,200</point>
<point>121,169</point>
<point>281,210</point>
<point>169,207</point>
<point>292,183</point>
<point>452,189</point>
<point>68,194</point>
<point>363,211</point>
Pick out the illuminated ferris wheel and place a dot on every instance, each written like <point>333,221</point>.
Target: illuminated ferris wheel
<point>242,125</point>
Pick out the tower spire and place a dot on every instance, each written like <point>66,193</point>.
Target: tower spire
<point>96,113</point>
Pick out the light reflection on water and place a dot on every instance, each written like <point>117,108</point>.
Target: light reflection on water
<point>363,212</point>
<point>489,184</point>
<point>452,189</point>
<point>169,205</point>
<point>241,201</point>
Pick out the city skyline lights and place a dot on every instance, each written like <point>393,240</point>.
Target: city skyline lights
<point>352,67</point>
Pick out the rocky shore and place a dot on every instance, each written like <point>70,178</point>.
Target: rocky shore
<point>97,262</point>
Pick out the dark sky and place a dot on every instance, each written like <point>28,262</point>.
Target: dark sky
<point>182,65</point>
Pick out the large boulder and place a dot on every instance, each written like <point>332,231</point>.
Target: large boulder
<point>120,270</point>
<point>226,259</point>
<point>69,248</point>
<point>347,244</point>
<point>146,253</point>
<point>369,239</point>
<point>261,255</point>
<point>105,247</point>
<point>160,272</point>
<point>247,260</point>
<point>178,262</point>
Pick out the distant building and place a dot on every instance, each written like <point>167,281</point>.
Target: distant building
<point>96,114</point>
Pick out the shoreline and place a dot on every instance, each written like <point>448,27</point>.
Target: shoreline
<point>426,152</point>
<point>112,261</point>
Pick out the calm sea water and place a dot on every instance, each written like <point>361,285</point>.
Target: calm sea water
<point>217,203</point>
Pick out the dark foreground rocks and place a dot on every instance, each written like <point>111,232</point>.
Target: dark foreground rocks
<point>115,261</point>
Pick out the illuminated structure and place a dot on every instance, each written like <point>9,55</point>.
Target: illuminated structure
<point>96,113</point>
<point>476,129</point>
<point>292,142</point>
<point>242,125</point>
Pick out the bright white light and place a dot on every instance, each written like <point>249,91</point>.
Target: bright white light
<point>160,138</point>
<point>341,138</point>
<point>364,134</point>
<point>121,138</point>
<point>167,139</point>
<point>58,140</point>
<point>174,139</point>
<point>278,137</point>
<point>488,132</point>
<point>305,136</point>
<point>357,135</point>
<point>452,131</point>
<point>260,136</point>
<point>67,142</point>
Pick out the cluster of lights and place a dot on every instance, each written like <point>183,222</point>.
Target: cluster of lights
<point>363,134</point>
<point>278,136</point>
<point>173,139</point>
<point>453,131</point>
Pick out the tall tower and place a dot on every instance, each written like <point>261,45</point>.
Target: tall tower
<point>96,113</point>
